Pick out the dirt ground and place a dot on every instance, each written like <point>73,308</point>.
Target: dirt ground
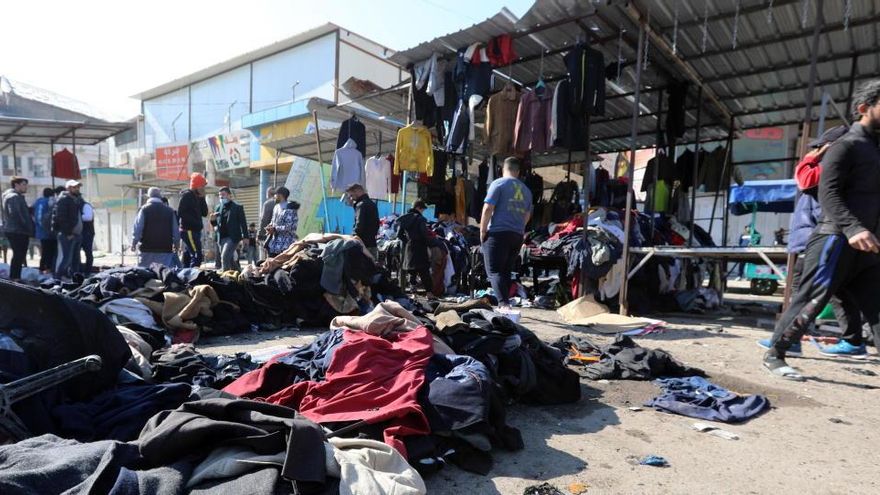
<point>820,436</point>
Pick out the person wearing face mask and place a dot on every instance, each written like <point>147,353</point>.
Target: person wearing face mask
<point>285,220</point>
<point>843,252</point>
<point>230,227</point>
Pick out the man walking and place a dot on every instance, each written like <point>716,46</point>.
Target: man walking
<point>43,219</point>
<point>366,218</point>
<point>190,211</point>
<point>266,214</point>
<point>506,212</point>
<point>155,232</point>
<point>842,253</point>
<point>18,224</point>
<point>231,227</point>
<point>68,225</point>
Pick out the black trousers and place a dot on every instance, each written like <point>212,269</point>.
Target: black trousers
<point>48,254</point>
<point>830,267</point>
<point>499,254</point>
<point>19,245</point>
<point>846,309</point>
<point>425,277</point>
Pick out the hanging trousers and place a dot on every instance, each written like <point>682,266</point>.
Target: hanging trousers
<point>830,265</point>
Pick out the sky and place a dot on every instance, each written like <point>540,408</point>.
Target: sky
<point>101,51</point>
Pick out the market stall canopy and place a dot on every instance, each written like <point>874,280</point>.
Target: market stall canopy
<point>30,115</point>
<point>775,196</point>
<point>381,131</point>
<point>165,185</point>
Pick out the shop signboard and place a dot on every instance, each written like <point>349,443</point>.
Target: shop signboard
<point>230,151</point>
<point>171,162</point>
<point>762,146</point>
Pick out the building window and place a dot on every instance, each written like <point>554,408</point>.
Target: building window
<point>7,165</point>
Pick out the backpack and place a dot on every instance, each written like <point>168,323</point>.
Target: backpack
<point>46,218</point>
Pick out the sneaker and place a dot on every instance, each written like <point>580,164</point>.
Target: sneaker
<point>845,349</point>
<point>793,351</point>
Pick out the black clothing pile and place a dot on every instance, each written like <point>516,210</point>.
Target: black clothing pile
<point>181,363</point>
<point>625,360</point>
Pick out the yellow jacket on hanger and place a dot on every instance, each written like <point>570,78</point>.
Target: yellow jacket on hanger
<point>414,152</point>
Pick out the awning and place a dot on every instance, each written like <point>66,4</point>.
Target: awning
<point>20,130</point>
<point>165,185</point>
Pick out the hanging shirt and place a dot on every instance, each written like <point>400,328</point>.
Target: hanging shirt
<point>348,167</point>
<point>353,129</point>
<point>501,120</point>
<point>586,69</point>
<point>532,130</point>
<point>413,152</point>
<point>65,165</point>
<point>378,174</point>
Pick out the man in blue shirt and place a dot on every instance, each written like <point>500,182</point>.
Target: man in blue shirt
<point>507,209</point>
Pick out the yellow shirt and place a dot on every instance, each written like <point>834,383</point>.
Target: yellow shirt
<point>414,152</point>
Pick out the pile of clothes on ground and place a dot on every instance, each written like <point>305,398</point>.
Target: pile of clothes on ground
<point>316,279</point>
<point>685,390</point>
<point>434,387</point>
<point>369,407</point>
<point>663,284</point>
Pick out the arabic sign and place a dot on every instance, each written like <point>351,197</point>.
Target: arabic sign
<point>230,151</point>
<point>171,162</point>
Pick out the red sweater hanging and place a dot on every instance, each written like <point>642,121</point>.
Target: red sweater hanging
<point>65,165</point>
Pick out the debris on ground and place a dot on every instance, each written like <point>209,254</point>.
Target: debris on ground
<point>860,371</point>
<point>715,431</point>
<point>839,421</point>
<point>542,489</point>
<point>654,460</point>
<point>577,488</point>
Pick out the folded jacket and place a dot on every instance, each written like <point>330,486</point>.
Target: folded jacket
<point>385,318</point>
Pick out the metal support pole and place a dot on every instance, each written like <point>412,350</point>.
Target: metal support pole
<point>656,172</point>
<point>853,70</point>
<point>326,223</point>
<point>696,166</point>
<point>14,160</point>
<point>721,181</point>
<point>588,165</point>
<point>52,162</point>
<point>634,136</point>
<point>811,87</point>
<point>823,112</point>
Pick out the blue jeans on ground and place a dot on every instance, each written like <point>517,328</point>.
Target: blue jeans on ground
<point>192,248</point>
<point>499,254</point>
<point>68,252</point>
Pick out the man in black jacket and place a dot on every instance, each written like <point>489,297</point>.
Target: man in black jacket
<point>67,222</point>
<point>155,233</point>
<point>412,229</point>
<point>231,227</point>
<point>842,252</point>
<point>190,211</point>
<point>17,224</point>
<point>366,218</point>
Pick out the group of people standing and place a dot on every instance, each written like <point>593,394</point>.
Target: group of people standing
<point>159,230</point>
<point>61,220</point>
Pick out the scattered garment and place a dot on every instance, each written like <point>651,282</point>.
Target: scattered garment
<point>696,397</point>
<point>120,413</point>
<point>368,467</point>
<point>181,363</point>
<point>387,317</point>
<point>625,360</point>
<point>370,378</point>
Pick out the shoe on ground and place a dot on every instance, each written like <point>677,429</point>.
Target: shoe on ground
<point>845,349</point>
<point>794,351</point>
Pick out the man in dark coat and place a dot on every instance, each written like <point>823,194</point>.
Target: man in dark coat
<point>18,224</point>
<point>412,229</point>
<point>67,222</point>
<point>231,227</point>
<point>366,218</point>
